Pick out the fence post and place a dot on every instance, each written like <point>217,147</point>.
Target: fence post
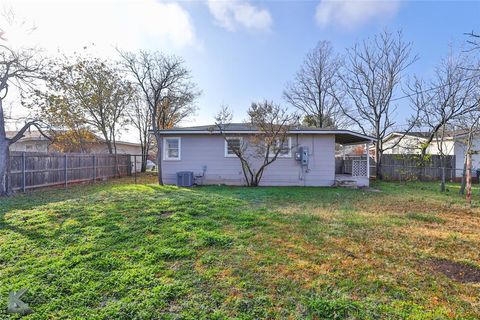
<point>443,178</point>
<point>94,168</point>
<point>135,167</point>
<point>24,178</point>
<point>66,172</point>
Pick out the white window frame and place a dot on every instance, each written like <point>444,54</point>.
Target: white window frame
<point>165,151</point>
<point>289,154</point>
<point>227,155</point>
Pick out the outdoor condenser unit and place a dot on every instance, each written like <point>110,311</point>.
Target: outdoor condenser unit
<point>185,178</point>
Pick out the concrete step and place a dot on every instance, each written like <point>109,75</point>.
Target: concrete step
<point>346,184</point>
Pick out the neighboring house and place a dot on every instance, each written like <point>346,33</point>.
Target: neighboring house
<point>454,144</point>
<point>204,151</point>
<point>123,147</point>
<point>34,141</point>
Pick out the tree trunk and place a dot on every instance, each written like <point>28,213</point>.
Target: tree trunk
<point>108,142</point>
<point>4,155</point>
<point>158,138</point>
<point>469,178</point>
<point>145,150</point>
<point>378,162</point>
<point>143,167</point>
<point>464,172</point>
<point>464,177</point>
<point>4,166</point>
<point>423,154</point>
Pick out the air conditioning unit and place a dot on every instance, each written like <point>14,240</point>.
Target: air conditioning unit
<point>185,178</point>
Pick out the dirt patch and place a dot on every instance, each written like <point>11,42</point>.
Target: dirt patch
<point>166,214</point>
<point>457,271</point>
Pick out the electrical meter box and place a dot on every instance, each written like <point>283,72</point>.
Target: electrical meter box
<point>298,155</point>
<point>302,156</point>
<point>304,160</point>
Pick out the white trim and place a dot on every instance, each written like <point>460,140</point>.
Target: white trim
<point>165,153</point>
<point>320,132</point>
<point>289,155</point>
<point>226,154</point>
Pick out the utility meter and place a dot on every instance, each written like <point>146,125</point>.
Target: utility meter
<point>302,156</point>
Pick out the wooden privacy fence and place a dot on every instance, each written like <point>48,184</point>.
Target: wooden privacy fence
<point>30,170</point>
<point>406,167</point>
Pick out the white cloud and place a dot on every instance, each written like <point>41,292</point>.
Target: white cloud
<point>70,25</point>
<point>349,14</point>
<point>231,13</point>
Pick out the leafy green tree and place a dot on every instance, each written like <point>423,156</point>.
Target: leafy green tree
<point>87,94</point>
<point>73,141</point>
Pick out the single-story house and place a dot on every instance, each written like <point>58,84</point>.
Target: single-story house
<point>32,141</point>
<point>454,144</point>
<point>308,159</point>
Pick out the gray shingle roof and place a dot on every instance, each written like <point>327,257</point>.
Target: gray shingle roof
<point>239,127</point>
<point>341,136</point>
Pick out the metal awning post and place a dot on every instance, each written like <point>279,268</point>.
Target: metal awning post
<point>367,148</point>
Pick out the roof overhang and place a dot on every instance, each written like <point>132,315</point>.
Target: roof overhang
<point>402,135</point>
<point>344,137</point>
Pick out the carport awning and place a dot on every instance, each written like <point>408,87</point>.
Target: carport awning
<point>348,138</point>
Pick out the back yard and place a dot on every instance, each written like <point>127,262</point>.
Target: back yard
<point>122,251</point>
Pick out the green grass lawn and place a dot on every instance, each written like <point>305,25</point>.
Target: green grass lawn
<point>123,251</point>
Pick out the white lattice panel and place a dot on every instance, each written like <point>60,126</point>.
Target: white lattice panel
<point>359,168</point>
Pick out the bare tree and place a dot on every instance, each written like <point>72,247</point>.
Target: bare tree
<point>315,92</point>
<point>373,74</point>
<point>18,68</point>
<point>473,40</point>
<point>167,88</point>
<point>140,117</point>
<point>257,151</point>
<point>450,95</point>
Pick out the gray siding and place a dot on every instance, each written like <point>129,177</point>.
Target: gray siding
<point>209,150</point>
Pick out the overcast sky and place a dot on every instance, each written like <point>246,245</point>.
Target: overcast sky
<point>239,51</point>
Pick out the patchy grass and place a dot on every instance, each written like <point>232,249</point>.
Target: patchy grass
<point>123,251</point>
<point>425,217</point>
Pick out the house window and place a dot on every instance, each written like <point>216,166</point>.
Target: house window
<point>171,148</point>
<point>231,144</point>
<point>285,149</point>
